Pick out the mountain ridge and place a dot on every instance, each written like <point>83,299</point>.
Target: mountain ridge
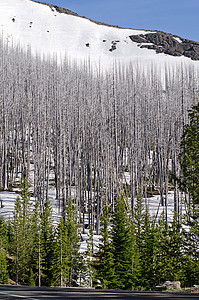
<point>63,10</point>
<point>161,40</point>
<point>49,29</point>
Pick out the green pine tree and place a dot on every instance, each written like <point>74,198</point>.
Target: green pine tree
<point>143,246</point>
<point>3,252</point>
<point>21,242</point>
<point>137,235</point>
<point>189,157</point>
<point>190,267</point>
<point>161,249</point>
<point>136,261</point>
<point>47,244</point>
<point>122,246</point>
<point>189,183</point>
<point>147,251</point>
<point>167,254</point>
<point>105,258</point>
<point>60,263</point>
<point>35,251</point>
<point>89,257</point>
<point>73,238</point>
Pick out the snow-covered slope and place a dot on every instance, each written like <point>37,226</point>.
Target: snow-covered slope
<point>47,31</point>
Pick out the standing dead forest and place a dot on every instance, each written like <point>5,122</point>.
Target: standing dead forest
<point>95,137</point>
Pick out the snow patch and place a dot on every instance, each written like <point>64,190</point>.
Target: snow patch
<point>178,39</point>
<point>36,27</point>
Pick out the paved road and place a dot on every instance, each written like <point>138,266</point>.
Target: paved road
<point>35,293</point>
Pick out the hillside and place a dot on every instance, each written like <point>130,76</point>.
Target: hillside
<point>91,160</point>
<point>51,30</point>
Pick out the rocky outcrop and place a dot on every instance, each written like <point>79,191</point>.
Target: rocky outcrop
<point>69,12</point>
<point>58,8</point>
<point>168,285</point>
<point>166,43</point>
<point>113,45</point>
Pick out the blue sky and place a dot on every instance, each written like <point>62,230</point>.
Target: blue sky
<point>180,17</point>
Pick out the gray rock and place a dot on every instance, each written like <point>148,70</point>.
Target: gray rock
<point>168,44</point>
<point>168,285</point>
<point>58,8</point>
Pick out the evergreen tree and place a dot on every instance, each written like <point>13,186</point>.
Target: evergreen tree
<point>189,183</point>
<point>167,253</point>
<point>190,266</point>
<point>175,243</point>
<point>137,228</point>
<point>89,258</point>
<point>147,251</point>
<point>136,261</point>
<point>122,246</point>
<point>21,235</point>
<point>143,246</point>
<point>189,157</point>
<point>47,244</point>
<point>35,251</point>
<point>161,250</point>
<point>105,259</point>
<point>73,240</point>
<point>3,252</point>
<point>11,258</point>
<point>138,220</point>
<point>60,263</point>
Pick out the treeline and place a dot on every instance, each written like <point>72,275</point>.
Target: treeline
<point>89,133</point>
<point>139,253</point>
<point>135,251</point>
<point>33,251</point>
